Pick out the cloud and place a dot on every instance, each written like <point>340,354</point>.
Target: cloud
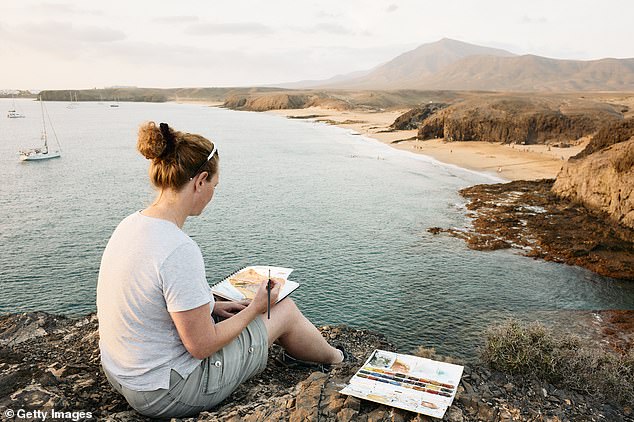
<point>391,8</point>
<point>61,41</point>
<point>237,28</point>
<point>529,20</point>
<point>66,31</point>
<point>327,14</point>
<point>176,19</point>
<point>67,9</point>
<point>328,28</point>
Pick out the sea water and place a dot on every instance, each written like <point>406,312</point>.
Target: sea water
<point>349,214</point>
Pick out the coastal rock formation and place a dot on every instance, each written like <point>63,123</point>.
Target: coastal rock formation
<point>413,118</point>
<point>368,101</point>
<point>602,176</point>
<point>283,100</point>
<point>518,119</point>
<point>528,216</point>
<point>52,362</point>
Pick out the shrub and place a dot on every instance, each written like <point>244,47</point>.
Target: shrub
<point>565,361</point>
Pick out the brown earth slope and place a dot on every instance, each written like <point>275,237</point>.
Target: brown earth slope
<point>602,177</point>
<point>519,119</point>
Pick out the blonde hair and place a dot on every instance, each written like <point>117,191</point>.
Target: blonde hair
<point>174,155</point>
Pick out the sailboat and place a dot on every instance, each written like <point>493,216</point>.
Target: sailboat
<point>43,153</point>
<point>13,114</point>
<point>72,104</point>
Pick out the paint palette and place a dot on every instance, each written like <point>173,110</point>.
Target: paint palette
<point>408,382</point>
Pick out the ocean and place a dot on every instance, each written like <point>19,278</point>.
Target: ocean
<point>349,214</point>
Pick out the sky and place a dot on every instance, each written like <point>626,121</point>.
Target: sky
<point>82,44</point>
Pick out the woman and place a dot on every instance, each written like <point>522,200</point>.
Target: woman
<point>160,346</point>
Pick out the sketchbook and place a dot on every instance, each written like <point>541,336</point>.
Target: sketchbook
<point>244,283</point>
<point>408,382</point>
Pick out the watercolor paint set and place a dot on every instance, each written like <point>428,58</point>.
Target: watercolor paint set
<point>408,382</point>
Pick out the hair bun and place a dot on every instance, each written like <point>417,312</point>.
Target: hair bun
<point>150,142</point>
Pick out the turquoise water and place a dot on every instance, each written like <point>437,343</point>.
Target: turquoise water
<point>350,215</point>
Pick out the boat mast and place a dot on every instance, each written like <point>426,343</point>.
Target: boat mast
<point>44,127</point>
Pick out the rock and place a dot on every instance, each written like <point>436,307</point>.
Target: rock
<point>530,216</point>
<point>468,388</point>
<point>347,414</point>
<point>486,412</point>
<point>517,119</point>
<point>284,100</point>
<point>45,372</point>
<point>454,414</point>
<point>505,416</point>
<point>469,403</point>
<point>413,118</point>
<point>603,181</point>
<point>34,396</point>
<point>19,328</point>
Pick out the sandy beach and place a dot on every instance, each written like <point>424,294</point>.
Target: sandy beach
<point>511,162</point>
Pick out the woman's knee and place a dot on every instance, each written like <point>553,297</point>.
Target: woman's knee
<point>284,315</point>
<point>287,307</point>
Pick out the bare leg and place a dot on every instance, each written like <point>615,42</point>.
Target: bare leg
<point>297,335</point>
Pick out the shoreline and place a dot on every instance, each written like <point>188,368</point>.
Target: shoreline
<point>510,162</point>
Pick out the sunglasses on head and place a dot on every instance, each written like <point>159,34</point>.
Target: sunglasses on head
<point>211,154</point>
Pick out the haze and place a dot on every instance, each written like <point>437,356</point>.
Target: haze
<point>81,44</point>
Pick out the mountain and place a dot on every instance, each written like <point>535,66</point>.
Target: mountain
<point>454,65</point>
<point>533,73</point>
<point>406,70</point>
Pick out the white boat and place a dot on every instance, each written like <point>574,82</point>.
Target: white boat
<point>13,113</point>
<point>72,103</point>
<point>43,153</point>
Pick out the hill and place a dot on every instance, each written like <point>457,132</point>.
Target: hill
<point>454,65</point>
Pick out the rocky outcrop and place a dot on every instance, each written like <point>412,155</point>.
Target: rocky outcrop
<point>284,100</point>
<point>602,181</point>
<point>413,118</point>
<point>610,134</point>
<point>518,119</point>
<point>602,176</point>
<point>528,216</point>
<point>50,362</point>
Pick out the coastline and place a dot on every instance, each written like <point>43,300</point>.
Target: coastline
<point>510,162</point>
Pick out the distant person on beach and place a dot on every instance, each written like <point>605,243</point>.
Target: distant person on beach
<point>160,347</point>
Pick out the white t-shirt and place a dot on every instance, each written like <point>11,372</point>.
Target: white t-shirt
<point>149,268</point>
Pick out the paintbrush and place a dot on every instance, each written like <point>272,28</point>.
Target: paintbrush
<point>268,291</point>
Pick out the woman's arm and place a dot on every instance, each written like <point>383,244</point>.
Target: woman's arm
<point>202,338</point>
<point>227,308</point>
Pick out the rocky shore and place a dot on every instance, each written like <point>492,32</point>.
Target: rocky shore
<point>528,216</point>
<point>51,362</point>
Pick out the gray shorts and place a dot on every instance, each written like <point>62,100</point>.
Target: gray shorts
<point>210,383</point>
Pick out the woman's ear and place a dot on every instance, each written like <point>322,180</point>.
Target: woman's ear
<point>199,179</point>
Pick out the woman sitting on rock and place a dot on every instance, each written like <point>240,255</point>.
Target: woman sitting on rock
<point>160,347</point>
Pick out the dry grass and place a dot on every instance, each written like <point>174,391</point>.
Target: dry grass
<point>563,360</point>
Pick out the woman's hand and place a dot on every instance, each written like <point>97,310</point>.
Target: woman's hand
<point>261,297</point>
<point>227,309</point>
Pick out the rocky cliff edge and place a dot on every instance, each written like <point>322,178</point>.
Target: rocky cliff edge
<point>51,362</point>
<point>602,176</point>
